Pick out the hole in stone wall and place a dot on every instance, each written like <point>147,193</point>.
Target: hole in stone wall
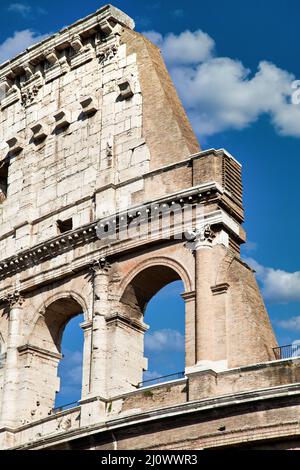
<point>65,225</point>
<point>164,341</point>
<point>70,366</point>
<point>3,180</point>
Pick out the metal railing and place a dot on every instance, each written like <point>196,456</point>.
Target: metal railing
<point>73,404</point>
<point>287,351</point>
<point>163,378</point>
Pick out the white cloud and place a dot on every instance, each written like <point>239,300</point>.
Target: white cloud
<point>186,48</point>
<point>277,285</point>
<point>164,340</point>
<point>220,93</point>
<point>18,43</point>
<point>21,8</point>
<point>292,324</point>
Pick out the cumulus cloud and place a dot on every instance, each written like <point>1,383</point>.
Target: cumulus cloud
<point>220,93</point>
<point>18,43</point>
<point>164,340</point>
<point>277,285</point>
<point>186,48</point>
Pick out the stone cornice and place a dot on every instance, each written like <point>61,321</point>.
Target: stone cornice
<point>220,288</point>
<point>29,348</point>
<point>103,19</point>
<point>87,233</point>
<point>116,318</point>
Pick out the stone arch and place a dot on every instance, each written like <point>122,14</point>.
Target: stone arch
<point>52,317</point>
<point>66,295</point>
<point>180,273</point>
<point>43,348</point>
<point>141,283</point>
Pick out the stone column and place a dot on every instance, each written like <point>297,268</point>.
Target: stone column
<point>9,413</point>
<point>98,372</point>
<point>210,318</point>
<point>204,275</point>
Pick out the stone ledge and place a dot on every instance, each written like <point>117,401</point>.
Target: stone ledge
<point>87,233</point>
<point>167,412</point>
<point>89,23</point>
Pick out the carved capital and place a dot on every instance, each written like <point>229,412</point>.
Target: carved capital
<point>14,300</point>
<point>100,266</point>
<point>200,237</point>
<point>29,94</point>
<point>107,54</point>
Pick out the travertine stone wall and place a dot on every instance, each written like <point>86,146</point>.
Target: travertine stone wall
<point>203,410</point>
<point>91,125</point>
<point>61,170</point>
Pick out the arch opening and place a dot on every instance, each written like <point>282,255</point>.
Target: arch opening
<point>153,296</point>
<point>70,366</point>
<point>58,340</point>
<point>165,339</point>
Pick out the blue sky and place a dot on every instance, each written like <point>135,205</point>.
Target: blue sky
<point>233,64</point>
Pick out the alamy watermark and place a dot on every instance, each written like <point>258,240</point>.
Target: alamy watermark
<point>166,221</point>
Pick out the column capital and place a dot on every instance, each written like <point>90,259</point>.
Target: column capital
<point>100,266</point>
<point>14,299</point>
<point>200,237</point>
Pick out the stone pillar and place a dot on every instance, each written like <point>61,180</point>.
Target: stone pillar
<point>190,328</point>
<point>220,293</point>
<point>210,333</point>
<point>86,326</point>
<point>204,275</point>
<point>98,372</point>
<point>9,413</point>
<point>125,353</point>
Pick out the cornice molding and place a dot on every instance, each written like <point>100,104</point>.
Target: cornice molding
<point>65,242</point>
<point>102,20</point>
<point>87,233</point>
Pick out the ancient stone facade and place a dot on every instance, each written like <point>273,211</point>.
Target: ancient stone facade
<point>94,144</point>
